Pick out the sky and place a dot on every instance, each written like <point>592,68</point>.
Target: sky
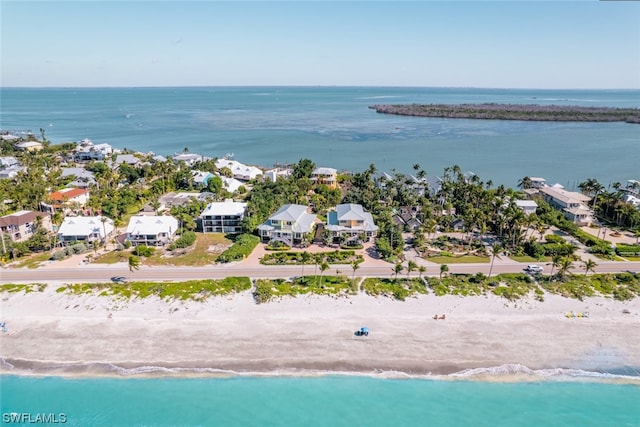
<point>495,44</point>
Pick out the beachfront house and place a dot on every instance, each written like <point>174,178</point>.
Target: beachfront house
<point>87,151</point>
<point>275,173</point>
<point>574,206</point>
<point>85,229</point>
<point>19,226</point>
<point>239,171</point>
<point>325,176</point>
<point>291,224</point>
<point>350,221</point>
<point>223,217</point>
<point>231,184</point>
<point>151,230</point>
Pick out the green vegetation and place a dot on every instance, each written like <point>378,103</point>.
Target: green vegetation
<point>242,247</point>
<point>197,290</point>
<point>399,289</point>
<point>297,258</point>
<point>26,288</point>
<point>185,240</point>
<point>464,259</point>
<point>267,290</point>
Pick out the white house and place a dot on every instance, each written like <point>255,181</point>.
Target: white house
<point>201,178</point>
<point>84,178</point>
<point>151,230</point>
<point>223,217</point>
<point>537,182</point>
<point>290,224</point>
<point>574,206</point>
<point>231,184</point>
<point>188,158</point>
<point>29,146</point>
<point>11,171</point>
<point>325,176</point>
<point>86,150</point>
<point>527,206</point>
<point>239,170</point>
<point>351,221</point>
<point>8,161</point>
<point>273,174</point>
<point>85,229</point>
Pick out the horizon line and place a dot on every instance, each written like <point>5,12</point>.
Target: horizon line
<point>311,86</point>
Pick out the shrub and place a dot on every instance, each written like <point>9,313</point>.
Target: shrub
<point>628,250</point>
<point>143,250</point>
<point>187,239</point>
<point>241,248</point>
<point>58,255</point>
<point>553,238</point>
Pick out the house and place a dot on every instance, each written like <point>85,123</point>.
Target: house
<point>537,182</point>
<point>188,158</point>
<point>273,174</point>
<point>11,171</point>
<point>85,229</point>
<point>151,230</point>
<point>527,206</point>
<point>86,151</point>
<point>290,224</point>
<point>407,217</point>
<point>19,226</point>
<point>8,161</point>
<point>325,176</point>
<point>200,178</point>
<point>351,221</point>
<point>573,205</point>
<point>231,184</point>
<point>68,197</point>
<point>84,178</point>
<point>239,171</point>
<point>128,159</point>
<point>223,217</point>
<point>180,199</point>
<point>29,146</point>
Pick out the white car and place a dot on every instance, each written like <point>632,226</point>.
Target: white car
<point>534,268</point>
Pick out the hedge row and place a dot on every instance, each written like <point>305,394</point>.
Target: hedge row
<point>241,248</point>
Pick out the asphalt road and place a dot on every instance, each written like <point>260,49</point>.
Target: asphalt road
<point>93,273</point>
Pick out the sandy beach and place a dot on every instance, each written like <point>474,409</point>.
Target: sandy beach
<point>57,333</point>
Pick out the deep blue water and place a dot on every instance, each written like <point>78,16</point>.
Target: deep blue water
<point>334,127</point>
<point>323,401</point>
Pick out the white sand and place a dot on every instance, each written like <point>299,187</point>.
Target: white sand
<point>48,330</point>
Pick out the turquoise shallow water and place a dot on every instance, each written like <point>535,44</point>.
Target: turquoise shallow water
<point>321,401</point>
<point>334,127</point>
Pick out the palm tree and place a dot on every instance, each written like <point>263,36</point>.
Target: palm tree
<point>444,268</point>
<point>565,265</point>
<point>304,257</point>
<point>421,270</point>
<point>495,249</point>
<point>411,266</point>
<point>524,183</point>
<point>589,265</point>
<point>134,263</point>
<point>317,260</point>
<point>397,269</point>
<point>555,261</point>
<point>355,265</point>
<point>323,267</point>
<point>104,229</point>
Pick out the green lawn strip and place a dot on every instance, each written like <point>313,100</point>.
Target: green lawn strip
<point>112,257</point>
<point>399,288</point>
<point>242,247</point>
<point>32,261</point>
<point>26,288</point>
<point>620,286</point>
<point>631,258</point>
<point>465,259</point>
<point>295,258</point>
<point>527,258</point>
<point>197,290</point>
<point>267,289</point>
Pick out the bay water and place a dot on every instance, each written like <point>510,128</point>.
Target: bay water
<point>334,127</point>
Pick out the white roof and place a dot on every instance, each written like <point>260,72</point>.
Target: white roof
<point>201,176</point>
<point>28,144</point>
<point>85,225</point>
<point>228,207</point>
<point>152,225</point>
<point>526,203</point>
<point>238,168</point>
<point>325,171</point>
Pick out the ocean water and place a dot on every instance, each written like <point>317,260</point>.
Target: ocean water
<point>333,126</point>
<point>319,401</point>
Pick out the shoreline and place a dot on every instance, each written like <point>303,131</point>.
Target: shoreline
<point>51,334</point>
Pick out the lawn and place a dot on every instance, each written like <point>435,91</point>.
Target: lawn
<point>32,261</point>
<point>204,252</point>
<point>465,259</point>
<point>526,258</point>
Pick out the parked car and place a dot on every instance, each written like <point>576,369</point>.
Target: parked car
<point>534,268</point>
